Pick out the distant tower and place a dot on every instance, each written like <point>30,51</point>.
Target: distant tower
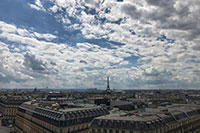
<point>35,89</point>
<point>47,88</point>
<point>108,86</point>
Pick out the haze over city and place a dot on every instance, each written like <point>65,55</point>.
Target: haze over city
<point>144,44</point>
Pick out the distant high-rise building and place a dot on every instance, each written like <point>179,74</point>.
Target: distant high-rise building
<point>108,86</point>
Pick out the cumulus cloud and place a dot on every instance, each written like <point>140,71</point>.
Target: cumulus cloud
<point>11,32</point>
<point>37,5</point>
<point>32,62</point>
<point>10,65</point>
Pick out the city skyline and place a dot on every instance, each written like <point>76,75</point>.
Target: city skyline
<point>144,44</point>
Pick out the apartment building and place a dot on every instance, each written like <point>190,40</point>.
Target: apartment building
<point>179,118</point>
<point>9,107</point>
<point>51,117</point>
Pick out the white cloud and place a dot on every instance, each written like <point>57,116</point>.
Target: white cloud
<point>135,24</point>
<point>12,32</point>
<point>47,58</point>
<point>37,5</point>
<point>48,37</point>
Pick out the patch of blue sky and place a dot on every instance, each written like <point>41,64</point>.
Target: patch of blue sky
<point>113,64</point>
<point>45,3</point>
<point>117,21</point>
<point>22,15</point>
<point>13,45</point>
<point>107,10</point>
<point>133,60</point>
<point>90,10</point>
<point>120,0</point>
<point>99,20</point>
<point>104,43</point>
<point>167,47</point>
<point>70,60</point>
<point>43,22</point>
<point>102,20</point>
<point>163,38</point>
<point>128,65</point>
<point>28,18</point>
<point>132,32</point>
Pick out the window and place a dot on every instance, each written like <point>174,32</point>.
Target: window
<point>93,130</point>
<point>99,130</point>
<point>104,131</point>
<point>116,131</point>
<point>131,132</point>
<point>110,131</point>
<point>123,131</point>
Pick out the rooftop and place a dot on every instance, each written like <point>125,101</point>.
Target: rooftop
<point>61,116</point>
<point>16,100</point>
<point>149,118</point>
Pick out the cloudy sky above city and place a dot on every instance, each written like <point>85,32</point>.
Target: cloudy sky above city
<point>139,44</point>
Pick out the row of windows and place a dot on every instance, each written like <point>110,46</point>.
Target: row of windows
<point>49,126</point>
<point>110,131</point>
<point>9,112</point>
<point>180,127</point>
<point>28,126</point>
<point>8,106</point>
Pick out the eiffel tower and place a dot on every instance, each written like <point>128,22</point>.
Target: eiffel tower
<point>108,86</point>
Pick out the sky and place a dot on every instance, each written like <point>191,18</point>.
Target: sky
<point>139,44</point>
